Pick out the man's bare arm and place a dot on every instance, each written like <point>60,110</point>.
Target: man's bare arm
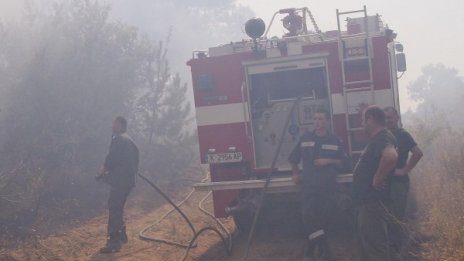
<point>325,162</point>
<point>416,155</point>
<point>387,163</point>
<point>101,174</point>
<point>296,176</point>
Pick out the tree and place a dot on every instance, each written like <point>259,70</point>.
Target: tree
<point>439,90</point>
<point>162,114</point>
<point>194,25</point>
<point>65,74</point>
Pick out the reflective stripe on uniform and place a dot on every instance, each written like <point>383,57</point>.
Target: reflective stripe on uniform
<point>308,144</point>
<point>316,234</point>
<point>329,147</point>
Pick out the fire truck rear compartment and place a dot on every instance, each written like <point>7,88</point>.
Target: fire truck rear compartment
<point>272,94</point>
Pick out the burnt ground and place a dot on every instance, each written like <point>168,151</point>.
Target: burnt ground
<point>275,239</point>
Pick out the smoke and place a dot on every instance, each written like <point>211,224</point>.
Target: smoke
<point>191,25</point>
<point>66,70</point>
<point>10,10</point>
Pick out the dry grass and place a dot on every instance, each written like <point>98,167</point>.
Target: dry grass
<point>438,183</point>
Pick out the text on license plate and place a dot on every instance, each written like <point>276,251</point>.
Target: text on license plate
<point>224,157</point>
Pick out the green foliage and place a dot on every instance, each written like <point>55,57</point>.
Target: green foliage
<point>426,129</point>
<point>439,89</point>
<point>194,25</point>
<point>64,76</point>
<point>438,180</point>
<point>162,115</point>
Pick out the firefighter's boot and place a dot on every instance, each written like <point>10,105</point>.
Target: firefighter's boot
<point>318,247</point>
<point>308,252</point>
<point>113,244</point>
<point>323,249</point>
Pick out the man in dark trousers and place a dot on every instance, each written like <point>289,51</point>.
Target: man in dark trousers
<point>321,154</point>
<point>119,170</point>
<point>371,188</point>
<point>400,181</point>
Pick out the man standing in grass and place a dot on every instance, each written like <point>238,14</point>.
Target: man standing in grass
<point>371,188</point>
<point>400,180</point>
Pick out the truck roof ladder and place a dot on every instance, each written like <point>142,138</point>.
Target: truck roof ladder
<point>361,54</point>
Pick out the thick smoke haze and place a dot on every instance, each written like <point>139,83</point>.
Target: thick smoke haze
<point>68,67</point>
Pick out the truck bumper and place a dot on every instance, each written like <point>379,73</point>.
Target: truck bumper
<point>276,185</point>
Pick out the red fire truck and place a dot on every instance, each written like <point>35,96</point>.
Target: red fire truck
<point>254,98</point>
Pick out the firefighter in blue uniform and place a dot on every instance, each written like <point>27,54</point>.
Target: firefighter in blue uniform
<point>322,156</point>
<point>119,171</point>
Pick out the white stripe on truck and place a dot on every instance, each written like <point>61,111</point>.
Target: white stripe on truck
<point>383,98</point>
<point>238,112</point>
<point>222,114</point>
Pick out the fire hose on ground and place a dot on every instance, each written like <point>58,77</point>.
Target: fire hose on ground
<point>176,207</point>
<point>196,234</point>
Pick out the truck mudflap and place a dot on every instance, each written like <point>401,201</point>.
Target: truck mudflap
<point>276,185</point>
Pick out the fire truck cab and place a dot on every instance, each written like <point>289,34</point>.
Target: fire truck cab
<point>253,95</point>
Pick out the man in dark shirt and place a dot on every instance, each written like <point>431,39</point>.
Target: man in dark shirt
<point>119,170</point>
<point>400,181</point>
<point>321,154</point>
<point>371,187</point>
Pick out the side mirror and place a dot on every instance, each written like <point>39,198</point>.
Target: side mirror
<point>401,62</point>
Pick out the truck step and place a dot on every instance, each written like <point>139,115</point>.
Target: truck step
<point>276,185</point>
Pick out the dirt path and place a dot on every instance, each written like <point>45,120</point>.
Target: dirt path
<point>274,240</point>
<point>83,242</point>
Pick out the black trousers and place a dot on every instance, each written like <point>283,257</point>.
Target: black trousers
<point>116,202</point>
<point>314,208</point>
<point>372,227</point>
<point>399,196</point>
<point>372,232</point>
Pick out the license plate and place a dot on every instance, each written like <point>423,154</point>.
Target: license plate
<point>224,157</point>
